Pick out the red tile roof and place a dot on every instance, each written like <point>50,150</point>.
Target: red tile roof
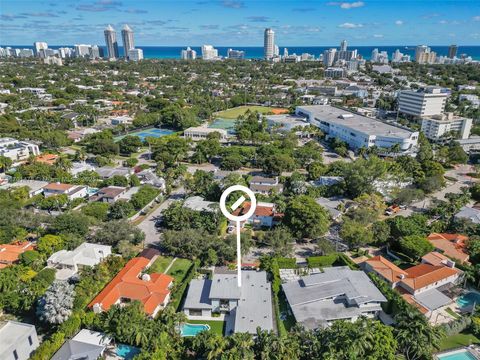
<point>260,210</point>
<point>127,284</point>
<point>9,253</point>
<point>58,187</point>
<point>435,258</point>
<point>423,275</point>
<point>452,245</point>
<point>387,269</point>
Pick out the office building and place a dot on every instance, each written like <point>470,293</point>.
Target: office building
<point>40,47</point>
<point>111,42</point>
<point>421,103</point>
<point>343,45</point>
<point>209,52</point>
<point>356,130</point>
<point>329,57</point>
<point>128,44</point>
<point>17,150</point>
<point>424,55</point>
<point>18,340</point>
<point>337,293</point>
<point>82,50</point>
<point>446,126</point>
<point>235,54</point>
<point>334,73</point>
<point>268,44</point>
<point>188,54</point>
<point>135,54</point>
<point>452,51</point>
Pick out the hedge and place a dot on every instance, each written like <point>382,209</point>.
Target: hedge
<point>322,261</point>
<point>179,293</point>
<point>287,263</point>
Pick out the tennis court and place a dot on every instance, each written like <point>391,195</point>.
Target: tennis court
<point>225,124</point>
<point>153,132</point>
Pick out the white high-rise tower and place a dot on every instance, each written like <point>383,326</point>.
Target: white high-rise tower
<point>268,44</point>
<point>127,37</point>
<point>343,45</point>
<point>111,42</point>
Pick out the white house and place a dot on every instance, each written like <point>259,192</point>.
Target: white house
<point>17,150</point>
<point>72,191</point>
<point>17,341</point>
<point>68,263</point>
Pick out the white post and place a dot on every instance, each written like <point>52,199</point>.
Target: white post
<point>239,256</point>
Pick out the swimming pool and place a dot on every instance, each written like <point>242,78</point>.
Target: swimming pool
<point>193,329</point>
<point>126,351</point>
<point>463,354</point>
<point>153,132</point>
<point>468,300</point>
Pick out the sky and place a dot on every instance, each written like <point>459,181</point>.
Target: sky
<point>241,22</point>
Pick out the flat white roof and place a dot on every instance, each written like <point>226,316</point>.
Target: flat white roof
<point>354,121</point>
<point>12,331</point>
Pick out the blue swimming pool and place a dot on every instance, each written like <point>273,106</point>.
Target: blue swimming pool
<point>153,132</point>
<point>457,355</point>
<point>126,351</point>
<point>468,300</point>
<point>193,329</point>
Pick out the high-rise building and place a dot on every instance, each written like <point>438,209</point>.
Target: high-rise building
<point>285,52</point>
<point>209,52</point>
<point>235,54</point>
<point>135,54</point>
<point>424,55</point>
<point>111,42</point>
<point>329,56</point>
<point>127,37</point>
<point>188,54</point>
<point>431,101</point>
<point>82,50</point>
<point>96,52</point>
<point>452,51</point>
<point>40,47</point>
<point>374,56</point>
<point>24,53</point>
<point>268,44</point>
<point>343,45</point>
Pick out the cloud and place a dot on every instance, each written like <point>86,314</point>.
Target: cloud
<point>100,6</point>
<point>476,18</point>
<point>348,25</point>
<point>429,16</point>
<point>233,4</point>
<point>136,11</point>
<point>399,22</point>
<point>347,5</point>
<point>303,9</point>
<point>209,27</point>
<point>158,22</point>
<point>11,17</point>
<point>39,14</point>
<point>378,36</point>
<point>261,19</point>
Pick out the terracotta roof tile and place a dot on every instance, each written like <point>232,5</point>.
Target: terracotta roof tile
<point>452,245</point>
<point>387,269</point>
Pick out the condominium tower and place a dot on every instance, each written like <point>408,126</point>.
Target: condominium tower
<point>452,51</point>
<point>111,42</point>
<point>209,52</point>
<point>188,54</point>
<point>268,44</point>
<point>127,37</point>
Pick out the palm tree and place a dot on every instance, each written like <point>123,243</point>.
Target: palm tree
<point>5,163</point>
<point>63,163</point>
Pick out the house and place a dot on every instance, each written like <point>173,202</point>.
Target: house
<point>17,150</point>
<point>79,167</point>
<point>109,194</point>
<point>265,214</point>
<point>337,293</point>
<point>48,159</point>
<point>331,205</point>
<point>149,177</point>
<point>197,203</point>
<point>328,180</point>
<point>133,283</point>
<point>86,345</point>
<point>419,285</point>
<point>107,172</point>
<point>35,186</point>
<point>468,213</point>
<point>264,185</point>
<point>121,120</point>
<point>244,308</point>
<point>10,253</point>
<point>17,340</point>
<point>72,191</point>
<point>452,245</point>
<point>68,263</point>
<point>202,132</point>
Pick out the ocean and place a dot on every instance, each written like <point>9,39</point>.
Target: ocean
<point>256,52</point>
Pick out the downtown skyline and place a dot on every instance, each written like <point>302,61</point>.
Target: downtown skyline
<point>241,23</point>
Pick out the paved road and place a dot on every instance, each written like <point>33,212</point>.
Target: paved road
<point>152,236</point>
<point>463,180</point>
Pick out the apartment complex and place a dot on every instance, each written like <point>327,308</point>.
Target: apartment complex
<point>357,130</point>
<point>17,341</point>
<point>188,54</point>
<point>446,125</point>
<point>17,150</point>
<point>209,52</point>
<point>268,44</point>
<point>428,102</point>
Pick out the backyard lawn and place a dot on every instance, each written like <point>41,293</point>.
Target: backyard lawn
<point>458,340</point>
<point>179,269</point>
<point>240,110</point>
<point>160,264</point>
<point>216,327</point>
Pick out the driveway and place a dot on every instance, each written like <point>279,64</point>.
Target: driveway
<point>152,235</point>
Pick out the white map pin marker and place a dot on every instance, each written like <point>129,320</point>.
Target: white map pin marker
<point>238,219</point>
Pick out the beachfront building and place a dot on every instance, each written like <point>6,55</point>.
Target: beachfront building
<point>337,293</point>
<point>18,340</point>
<point>244,308</point>
<point>357,130</point>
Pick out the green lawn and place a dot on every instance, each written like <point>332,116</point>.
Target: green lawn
<point>179,269</point>
<point>240,110</point>
<point>217,327</point>
<point>458,340</point>
<point>160,264</point>
<point>289,321</point>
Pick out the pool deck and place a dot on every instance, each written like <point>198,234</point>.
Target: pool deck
<point>472,350</point>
